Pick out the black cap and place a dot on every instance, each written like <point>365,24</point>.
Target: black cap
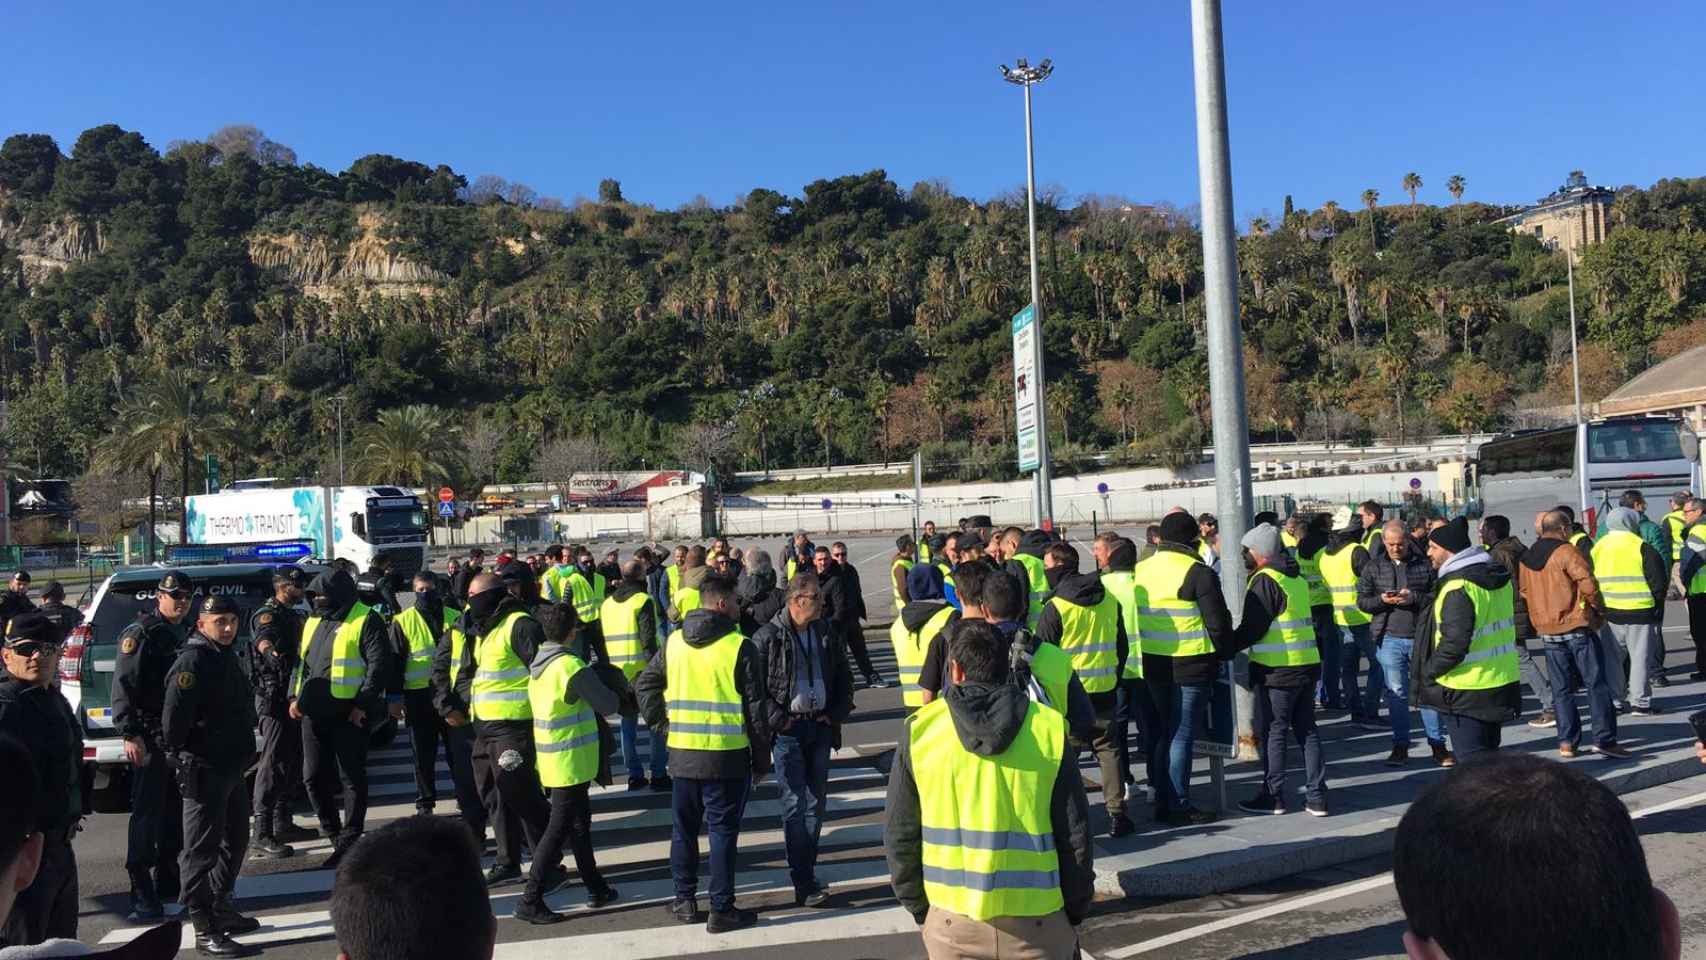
<point>514,571</point>
<point>969,541</point>
<point>53,589</point>
<point>295,576</point>
<point>1179,528</point>
<point>1454,536</point>
<point>31,625</point>
<point>981,520</point>
<point>175,584</point>
<point>214,606</point>
<point>21,574</point>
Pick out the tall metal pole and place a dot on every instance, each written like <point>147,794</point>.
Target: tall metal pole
<point>1225,343</point>
<point>1576,375</point>
<point>340,402</point>
<point>1042,502</point>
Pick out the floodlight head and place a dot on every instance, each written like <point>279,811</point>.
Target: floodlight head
<point>1046,67</point>
<point>1022,62</point>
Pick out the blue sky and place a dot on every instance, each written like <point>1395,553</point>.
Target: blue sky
<point>680,99</point>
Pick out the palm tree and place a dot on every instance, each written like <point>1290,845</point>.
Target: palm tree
<point>167,421</point>
<point>1412,183</point>
<point>1123,399</point>
<point>1370,198</point>
<point>1454,185</point>
<point>940,399</point>
<point>1348,272</point>
<point>411,446</point>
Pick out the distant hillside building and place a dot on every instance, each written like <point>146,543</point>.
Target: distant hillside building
<point>1576,215</point>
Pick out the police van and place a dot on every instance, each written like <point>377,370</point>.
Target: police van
<point>91,651</point>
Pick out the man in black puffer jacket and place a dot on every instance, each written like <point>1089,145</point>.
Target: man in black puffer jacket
<point>1396,583</point>
<point>760,601</point>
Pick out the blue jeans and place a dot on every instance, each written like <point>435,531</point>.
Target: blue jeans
<point>1330,640</point>
<point>802,769</point>
<point>715,806</point>
<point>1394,657</point>
<point>1183,708</point>
<point>1583,652</point>
<point>631,749</point>
<point>1358,642</point>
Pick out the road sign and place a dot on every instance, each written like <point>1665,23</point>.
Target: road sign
<point>447,509</point>
<point>1102,489</point>
<point>1415,483</point>
<point>1026,397</point>
<point>827,504</point>
<point>446,495</point>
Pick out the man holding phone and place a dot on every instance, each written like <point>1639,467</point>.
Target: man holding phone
<point>1392,588</point>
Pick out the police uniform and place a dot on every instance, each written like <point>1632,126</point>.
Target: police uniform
<point>276,626</point>
<point>207,728</point>
<point>40,719</point>
<point>146,651</point>
<point>345,659</point>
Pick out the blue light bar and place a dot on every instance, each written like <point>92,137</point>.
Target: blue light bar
<point>277,551</point>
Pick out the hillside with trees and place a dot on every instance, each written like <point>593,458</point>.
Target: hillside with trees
<point>222,298</point>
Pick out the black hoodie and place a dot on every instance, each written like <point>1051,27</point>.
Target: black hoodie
<point>700,629</point>
<point>1264,601</point>
<point>1442,644</point>
<point>987,718</point>
<point>337,589</point>
<point>1081,590</point>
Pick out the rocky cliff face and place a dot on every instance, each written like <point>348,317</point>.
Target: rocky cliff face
<point>50,248</point>
<point>321,269</point>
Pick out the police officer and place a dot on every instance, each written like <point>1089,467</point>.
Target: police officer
<point>38,716</point>
<point>339,687</point>
<point>276,648</point>
<point>414,639</point>
<point>146,651</point>
<point>54,607</point>
<point>508,640</point>
<point>207,727</point>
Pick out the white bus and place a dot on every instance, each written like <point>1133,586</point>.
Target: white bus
<point>1523,473</point>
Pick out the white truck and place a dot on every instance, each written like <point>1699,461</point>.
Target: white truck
<point>358,524</point>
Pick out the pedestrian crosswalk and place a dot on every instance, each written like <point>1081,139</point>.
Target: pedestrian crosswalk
<point>631,833</point>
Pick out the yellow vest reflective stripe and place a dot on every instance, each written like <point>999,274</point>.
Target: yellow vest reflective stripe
<point>1090,636</point>
<point>1039,586</point>
<point>1621,574</point>
<point>705,711</point>
<point>947,572</point>
<point>1695,537</point>
<point>909,651</point>
<point>500,678</point>
<point>1310,568</point>
<point>1341,580</point>
<point>988,835</point>
<point>349,670</point>
<point>1290,640</point>
<point>1674,525</point>
<point>1491,660</point>
<point>1168,626</point>
<point>622,640</point>
<point>565,736</point>
<point>417,667</point>
<point>586,594</point>
<point>894,591</point>
<point>1052,669</point>
<point>1123,585</point>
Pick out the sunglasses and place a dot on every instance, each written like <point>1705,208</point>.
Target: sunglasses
<point>30,648</point>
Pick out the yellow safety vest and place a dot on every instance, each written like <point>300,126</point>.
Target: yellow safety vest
<point>923,552</point>
<point>1053,670</point>
<point>1491,660</point>
<point>551,584</point>
<point>1674,525</point>
<point>1621,575</point>
<point>587,595</point>
<point>705,709</point>
<point>1038,585</point>
<point>909,651</point>
<point>791,567</point>
<point>417,667</point>
<point>894,590</point>
<point>1290,640</point>
<point>349,670</point>
<point>622,638</point>
<point>565,735</point>
<point>1289,541</point>
<point>1372,537</point>
<point>1695,537</point>
<point>1341,579</point>
<point>1168,626</point>
<point>686,600</point>
<point>500,678</point>
<point>1310,568</point>
<point>1090,636</point>
<point>988,835</point>
<point>673,574</point>
<point>1123,585</point>
<point>1577,538</point>
<point>458,641</point>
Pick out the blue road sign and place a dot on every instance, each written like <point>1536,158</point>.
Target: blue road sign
<point>827,505</point>
<point>1102,489</point>
<point>446,509</point>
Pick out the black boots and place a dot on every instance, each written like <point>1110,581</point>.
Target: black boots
<point>211,941</point>
<point>263,845</point>
<point>230,922</point>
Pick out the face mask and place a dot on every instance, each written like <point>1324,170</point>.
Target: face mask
<point>482,605</point>
<point>429,597</point>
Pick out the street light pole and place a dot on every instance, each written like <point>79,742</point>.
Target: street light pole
<point>339,400</point>
<point>1225,340</point>
<point>1042,502</point>
<point>1576,375</point>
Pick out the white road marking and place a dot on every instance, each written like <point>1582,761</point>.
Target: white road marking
<point>1321,896</point>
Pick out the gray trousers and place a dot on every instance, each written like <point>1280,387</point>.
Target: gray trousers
<point>1533,671</point>
<point>1635,641</point>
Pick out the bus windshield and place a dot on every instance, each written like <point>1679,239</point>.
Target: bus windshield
<point>1626,442</point>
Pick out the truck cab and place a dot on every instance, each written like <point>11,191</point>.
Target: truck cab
<point>354,523</point>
